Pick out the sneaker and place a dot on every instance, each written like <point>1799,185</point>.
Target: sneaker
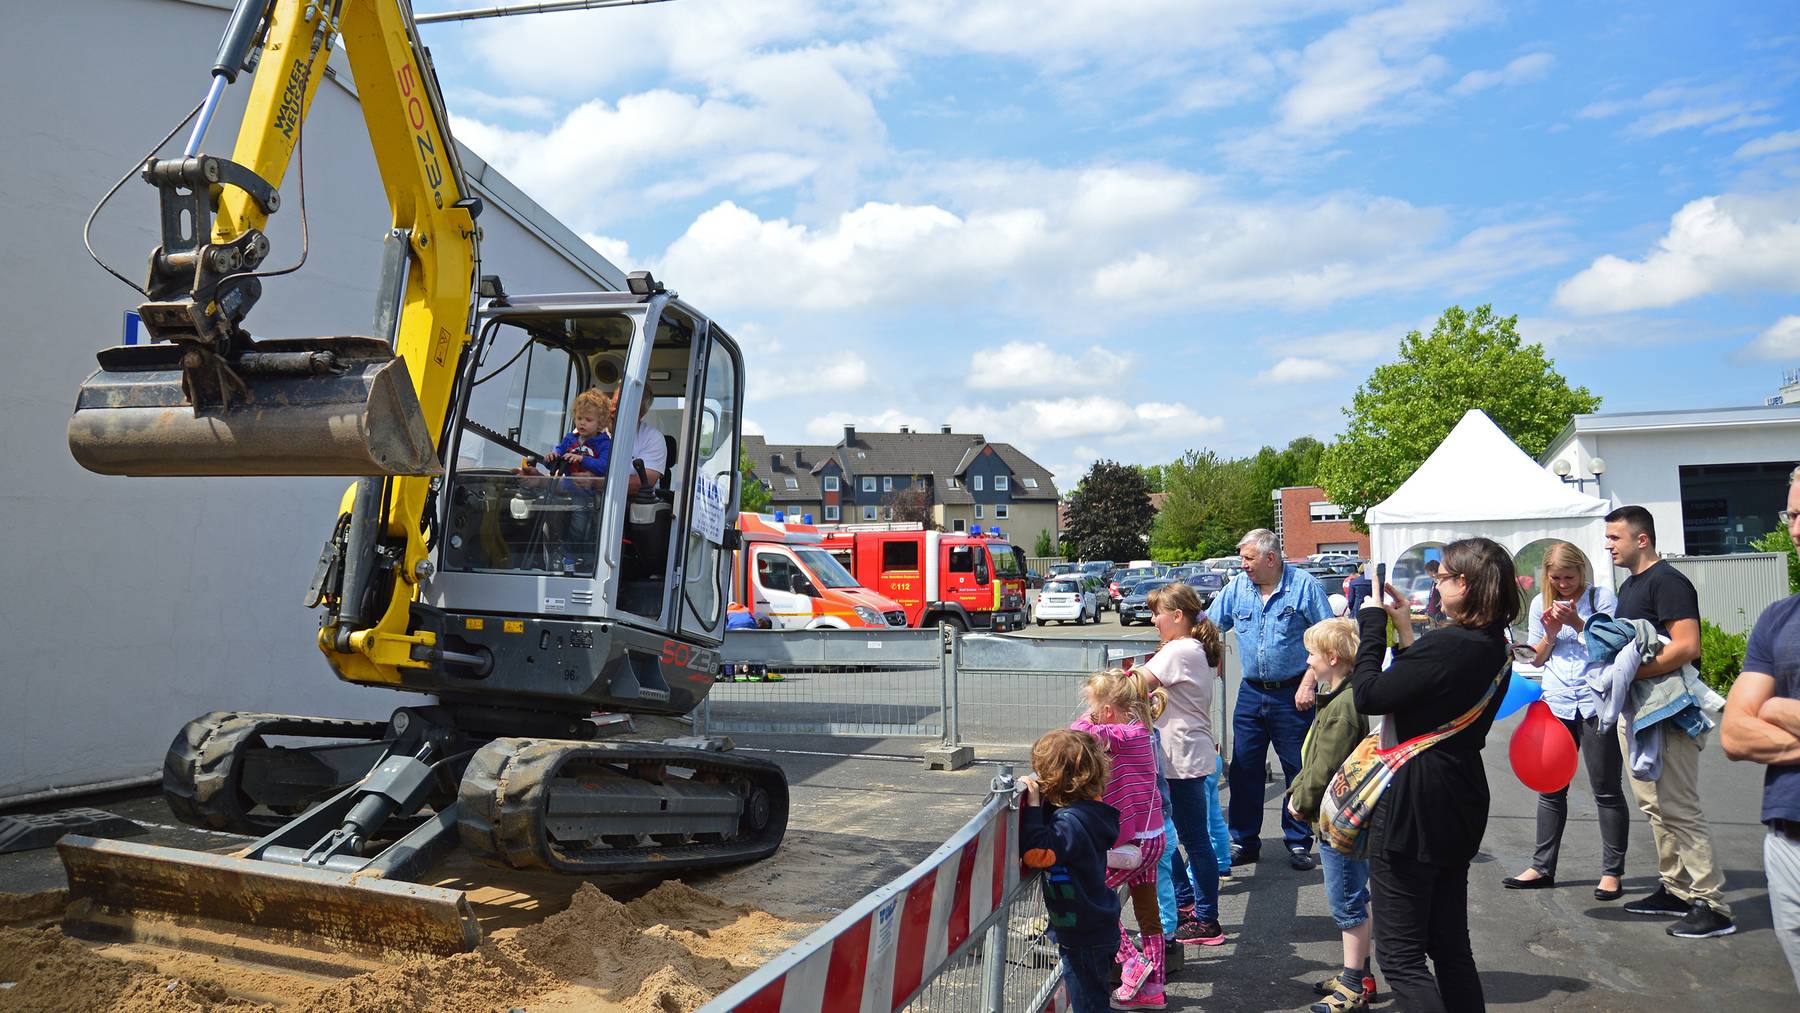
<point>1242,856</point>
<point>1660,903</point>
<point>1150,998</point>
<point>1132,976</point>
<point>1330,985</point>
<point>1341,1000</point>
<point>1184,913</point>
<point>1302,860</point>
<point>1703,922</point>
<point>1195,932</point>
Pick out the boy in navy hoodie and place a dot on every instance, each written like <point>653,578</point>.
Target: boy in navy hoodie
<point>1065,830</point>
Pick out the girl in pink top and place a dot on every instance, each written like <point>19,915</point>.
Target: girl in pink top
<point>1120,717</point>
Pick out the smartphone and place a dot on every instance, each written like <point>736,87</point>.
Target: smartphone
<point>1381,581</point>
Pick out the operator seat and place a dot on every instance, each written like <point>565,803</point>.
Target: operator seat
<point>649,518</point>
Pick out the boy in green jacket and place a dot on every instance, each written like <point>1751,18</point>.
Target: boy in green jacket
<point>1335,733</point>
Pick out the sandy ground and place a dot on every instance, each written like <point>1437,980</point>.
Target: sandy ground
<point>551,943</point>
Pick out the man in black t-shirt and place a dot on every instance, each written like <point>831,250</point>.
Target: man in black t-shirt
<point>1692,889</point>
<point>1762,724</point>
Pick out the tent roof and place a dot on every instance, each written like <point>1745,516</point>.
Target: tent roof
<point>1478,474</point>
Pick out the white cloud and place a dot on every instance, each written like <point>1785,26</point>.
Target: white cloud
<point>616,251</point>
<point>481,103</point>
<point>1714,244</point>
<point>1780,341</point>
<point>1356,73</point>
<point>829,428</point>
<point>837,372</point>
<point>1681,106</point>
<point>1524,70</point>
<point>1078,417</point>
<point>1786,140</point>
<point>1029,364</point>
<point>1296,369</point>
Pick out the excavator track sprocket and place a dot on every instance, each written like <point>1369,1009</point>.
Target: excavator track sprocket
<point>203,769</point>
<point>588,808</point>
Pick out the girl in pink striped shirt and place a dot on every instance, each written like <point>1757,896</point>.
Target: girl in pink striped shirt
<point>1119,715</point>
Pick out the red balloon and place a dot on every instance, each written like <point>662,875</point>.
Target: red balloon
<point>1543,751</point>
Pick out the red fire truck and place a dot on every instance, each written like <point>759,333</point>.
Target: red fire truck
<point>974,581</point>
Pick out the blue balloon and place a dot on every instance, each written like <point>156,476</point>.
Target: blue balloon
<point>1519,692</point>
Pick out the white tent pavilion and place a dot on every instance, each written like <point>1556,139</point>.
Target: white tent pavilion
<point>1478,482</point>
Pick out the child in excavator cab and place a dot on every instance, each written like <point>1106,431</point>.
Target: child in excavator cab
<point>579,460</point>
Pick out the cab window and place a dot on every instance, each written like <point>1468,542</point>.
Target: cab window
<point>776,572</point>
<point>962,559</point>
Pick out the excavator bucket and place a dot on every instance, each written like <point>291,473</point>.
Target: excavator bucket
<point>319,406</point>
<point>309,919</point>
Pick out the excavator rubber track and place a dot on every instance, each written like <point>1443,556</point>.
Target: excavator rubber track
<point>203,769</point>
<point>587,808</point>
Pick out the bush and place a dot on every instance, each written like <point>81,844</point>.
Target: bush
<point>1721,656</point>
<point>1778,541</point>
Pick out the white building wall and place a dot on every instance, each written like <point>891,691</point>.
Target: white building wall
<point>130,606</point>
<point>1643,466</point>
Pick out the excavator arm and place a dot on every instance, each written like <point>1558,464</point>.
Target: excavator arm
<point>206,397</point>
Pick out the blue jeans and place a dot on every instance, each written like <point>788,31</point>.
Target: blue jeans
<point>1188,795</point>
<point>1087,974</point>
<point>1346,887</point>
<point>1215,821</point>
<point>1262,719</point>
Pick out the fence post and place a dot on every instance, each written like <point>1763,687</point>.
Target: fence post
<point>993,947</point>
<point>952,754</point>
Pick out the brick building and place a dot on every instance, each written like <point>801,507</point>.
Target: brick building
<point>1307,522</point>
<point>968,480</point>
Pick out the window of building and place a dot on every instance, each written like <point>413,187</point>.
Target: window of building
<point>900,556</point>
<point>868,513</point>
<point>793,483</point>
<point>887,483</point>
<point>975,483</point>
<point>958,524</point>
<point>831,512</point>
<point>1726,507</point>
<point>1001,483</point>
<point>1327,512</point>
<point>831,483</point>
<point>978,511</point>
<point>890,513</point>
<point>868,483</point>
<point>1002,511</point>
<point>1030,483</point>
<point>954,483</point>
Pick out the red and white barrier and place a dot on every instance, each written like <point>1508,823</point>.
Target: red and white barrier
<point>875,957</point>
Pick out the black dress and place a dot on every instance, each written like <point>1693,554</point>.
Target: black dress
<point>1437,808</point>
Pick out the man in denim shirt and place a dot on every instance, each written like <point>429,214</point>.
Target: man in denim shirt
<point>1271,605</point>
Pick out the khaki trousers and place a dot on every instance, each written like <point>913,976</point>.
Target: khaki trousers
<point>1684,853</point>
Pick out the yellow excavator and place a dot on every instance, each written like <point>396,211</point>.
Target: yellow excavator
<point>523,604</point>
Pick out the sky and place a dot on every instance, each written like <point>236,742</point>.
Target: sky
<point>1131,228</point>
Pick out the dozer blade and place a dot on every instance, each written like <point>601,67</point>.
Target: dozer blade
<point>309,919</point>
<point>321,406</point>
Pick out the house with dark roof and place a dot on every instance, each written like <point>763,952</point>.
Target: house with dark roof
<point>967,480</point>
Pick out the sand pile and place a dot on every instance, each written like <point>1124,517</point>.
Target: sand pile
<point>32,908</point>
<point>668,951</point>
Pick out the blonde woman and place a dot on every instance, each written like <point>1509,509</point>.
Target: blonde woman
<point>1558,615</point>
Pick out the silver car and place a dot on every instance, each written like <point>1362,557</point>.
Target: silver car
<point>1066,600</point>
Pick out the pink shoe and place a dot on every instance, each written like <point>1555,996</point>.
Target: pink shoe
<point>1132,976</point>
<point>1151,998</point>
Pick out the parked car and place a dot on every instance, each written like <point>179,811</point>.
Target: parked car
<point>1207,585</point>
<point>1127,582</point>
<point>1034,579</point>
<point>1333,556</point>
<point>1066,599</point>
<point>1058,569</point>
<point>1418,595</point>
<point>1101,591</point>
<point>1135,607</point>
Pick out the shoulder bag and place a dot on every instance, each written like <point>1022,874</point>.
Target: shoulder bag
<point>1357,787</point>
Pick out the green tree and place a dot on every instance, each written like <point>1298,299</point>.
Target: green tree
<point>1406,408</point>
<point>753,495</point>
<point>1109,514</point>
<point>1153,475</point>
<point>914,505</point>
<point>1045,544</point>
<point>1272,469</point>
<point>1210,504</point>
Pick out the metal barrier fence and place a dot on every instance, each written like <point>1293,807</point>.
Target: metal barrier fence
<point>961,931</point>
<point>976,687</point>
